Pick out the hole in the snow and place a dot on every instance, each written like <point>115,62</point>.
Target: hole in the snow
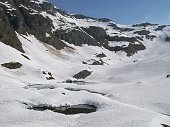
<point>74,81</point>
<point>40,86</point>
<point>78,82</point>
<point>74,89</point>
<point>67,110</point>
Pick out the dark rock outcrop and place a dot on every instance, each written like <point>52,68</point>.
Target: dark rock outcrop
<point>165,125</point>
<point>48,75</point>
<point>82,74</point>
<point>130,49</point>
<point>127,29</point>
<point>150,37</point>
<point>160,28</point>
<point>167,39</point>
<point>79,16</point>
<point>12,65</point>
<point>142,32</point>
<point>144,24</point>
<point>146,33</point>
<point>122,39</point>
<point>22,21</point>
<point>25,56</point>
<point>8,24</point>
<point>101,55</point>
<point>97,62</point>
<point>104,20</point>
<point>76,37</point>
<point>97,32</point>
<point>133,48</point>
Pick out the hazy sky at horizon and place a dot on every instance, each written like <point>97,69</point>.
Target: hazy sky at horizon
<point>120,11</point>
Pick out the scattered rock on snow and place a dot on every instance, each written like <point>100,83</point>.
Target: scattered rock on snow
<point>82,74</point>
<point>12,65</point>
<point>50,78</point>
<point>164,125</point>
<point>101,55</point>
<point>94,62</point>
<point>49,75</point>
<point>100,62</point>
<point>25,56</point>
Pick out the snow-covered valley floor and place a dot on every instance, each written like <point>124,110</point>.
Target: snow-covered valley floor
<point>128,92</point>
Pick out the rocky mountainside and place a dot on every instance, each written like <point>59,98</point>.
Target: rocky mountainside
<point>63,70</point>
<point>52,25</point>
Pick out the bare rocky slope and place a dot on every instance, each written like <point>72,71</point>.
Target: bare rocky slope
<point>42,19</point>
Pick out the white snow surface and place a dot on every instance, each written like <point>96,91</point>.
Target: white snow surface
<point>136,93</point>
<point>135,90</point>
<point>7,5</point>
<point>38,1</point>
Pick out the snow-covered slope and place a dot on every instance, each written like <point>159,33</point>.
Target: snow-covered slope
<point>129,69</point>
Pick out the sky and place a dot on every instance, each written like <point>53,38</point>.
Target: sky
<point>120,11</point>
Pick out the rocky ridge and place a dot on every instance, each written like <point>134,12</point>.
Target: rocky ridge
<point>54,26</point>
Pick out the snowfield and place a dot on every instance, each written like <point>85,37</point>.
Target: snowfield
<point>127,91</point>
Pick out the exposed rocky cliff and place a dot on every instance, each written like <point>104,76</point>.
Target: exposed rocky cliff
<point>51,25</point>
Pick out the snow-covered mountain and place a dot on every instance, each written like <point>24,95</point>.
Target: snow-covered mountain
<point>59,63</point>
